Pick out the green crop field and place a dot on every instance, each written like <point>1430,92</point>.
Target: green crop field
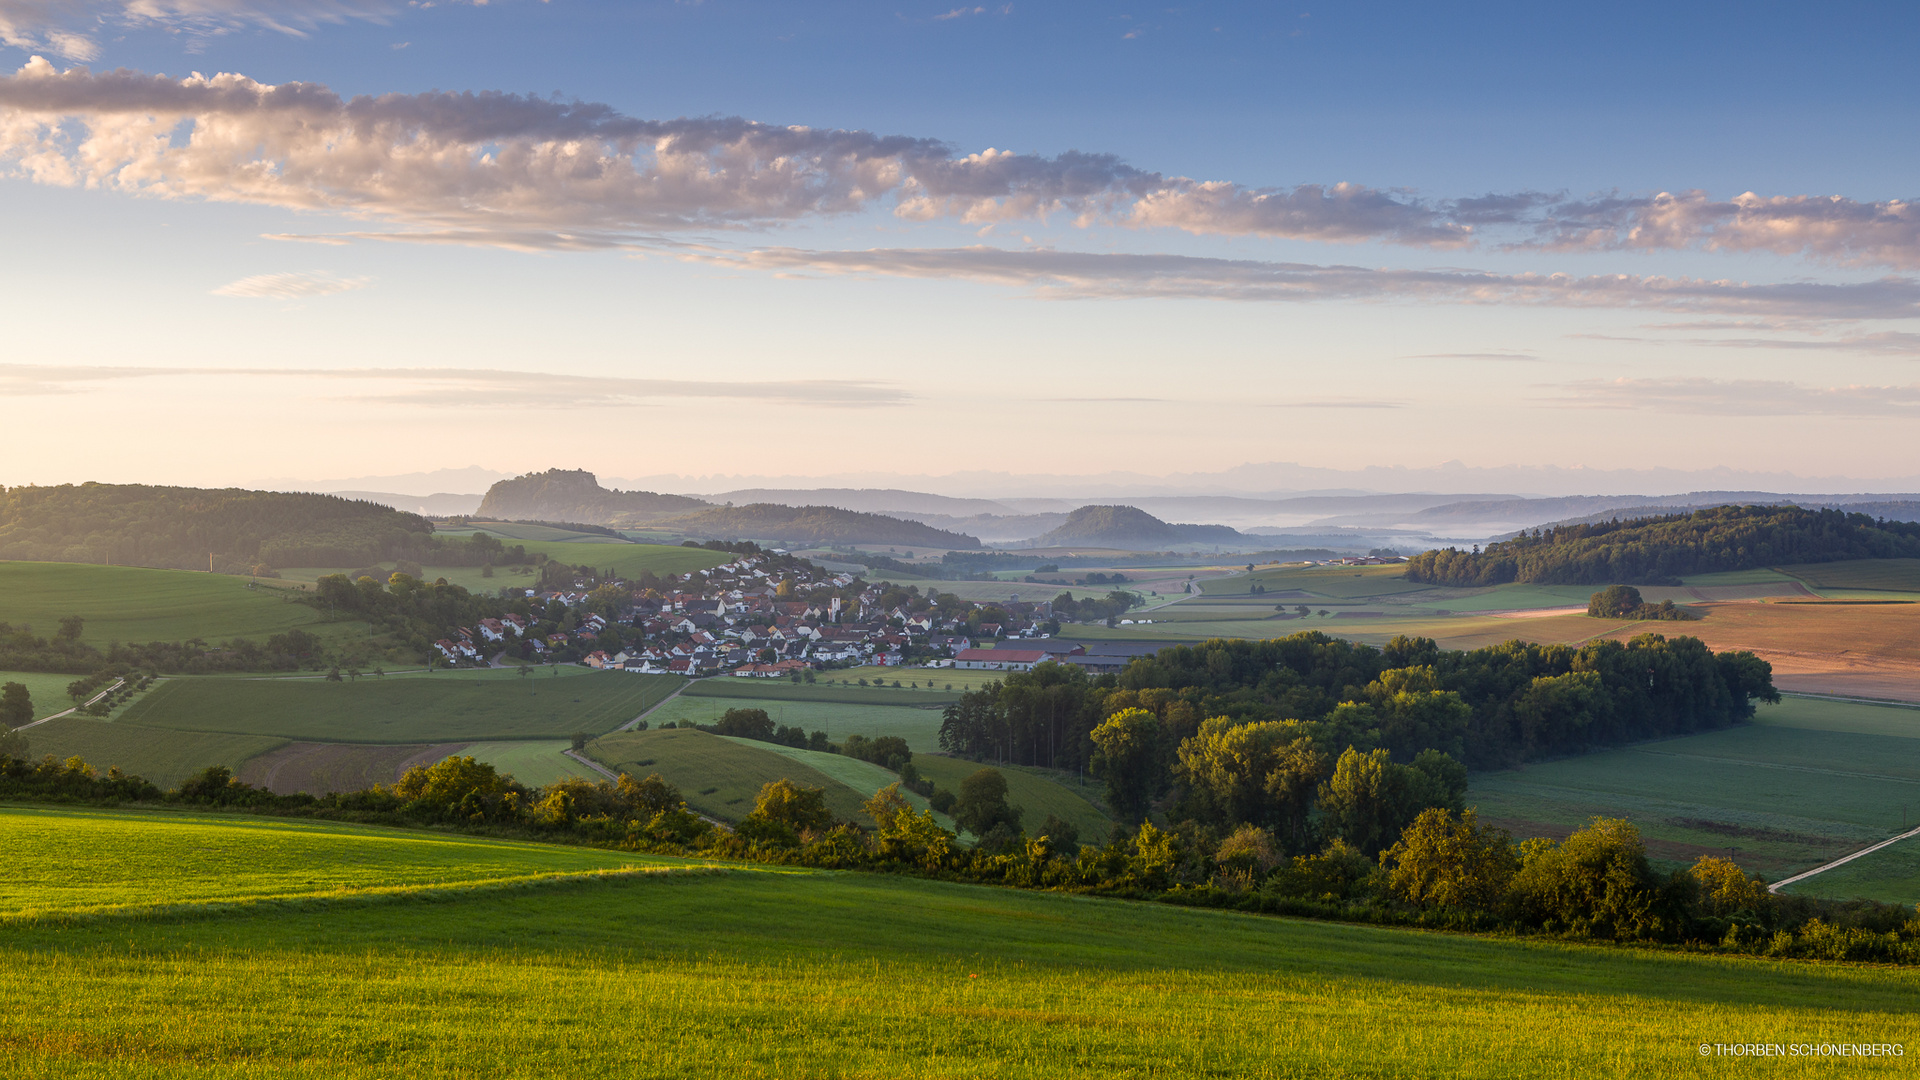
<point>49,692</point>
<point>628,560</point>
<point>1334,581</point>
<point>933,678</point>
<point>1037,792</point>
<point>472,705</point>
<point>1888,575</point>
<point>161,756</point>
<point>1809,781</point>
<point>718,777</point>
<point>756,974</point>
<point>511,530</point>
<point>1891,874</point>
<point>864,778</point>
<point>831,687</point>
<point>533,763</point>
<point>920,727</point>
<point>131,603</point>
<point>63,861</point>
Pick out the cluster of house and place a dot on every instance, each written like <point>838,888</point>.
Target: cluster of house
<point>735,618</point>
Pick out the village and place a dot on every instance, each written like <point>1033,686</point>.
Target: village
<point>762,615</point>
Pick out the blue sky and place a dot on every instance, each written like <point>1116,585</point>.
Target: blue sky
<point>220,282</point>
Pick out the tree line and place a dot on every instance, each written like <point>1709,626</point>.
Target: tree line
<point>1490,707</point>
<point>1661,550</point>
<point>1445,870</point>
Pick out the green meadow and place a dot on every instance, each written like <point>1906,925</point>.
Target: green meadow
<point>132,603</point>
<point>49,691</point>
<point>476,962</point>
<point>717,776</point>
<point>161,756</point>
<point>920,727</point>
<point>535,763</point>
<point>477,705</point>
<point>1874,575</point>
<point>1808,781</point>
<point>832,687</point>
<point>1037,792</point>
<point>68,861</point>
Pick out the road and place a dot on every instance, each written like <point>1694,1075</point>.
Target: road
<point>76,708</point>
<point>1842,860</point>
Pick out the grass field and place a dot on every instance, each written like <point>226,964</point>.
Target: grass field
<point>864,778</point>
<point>920,727</point>
<point>87,860</point>
<point>131,603</point>
<point>937,678</point>
<point>1891,874</point>
<point>1807,782</point>
<point>1885,575</point>
<point>628,560</point>
<point>49,692</point>
<point>754,974</point>
<point>1346,582</point>
<point>474,705</point>
<point>835,691</point>
<point>718,777</point>
<point>1036,792</point>
<point>512,530</point>
<point>533,763</point>
<point>161,756</point>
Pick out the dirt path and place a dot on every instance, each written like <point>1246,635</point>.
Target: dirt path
<point>76,708</point>
<point>1842,860</point>
<point>631,724</point>
<point>592,764</point>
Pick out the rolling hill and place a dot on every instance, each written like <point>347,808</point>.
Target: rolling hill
<point>814,525</point>
<point>576,495</point>
<point>1131,528</point>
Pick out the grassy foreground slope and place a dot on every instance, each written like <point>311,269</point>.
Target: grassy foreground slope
<point>743,975</point>
<point>131,603</point>
<point>495,704</point>
<point>85,860</point>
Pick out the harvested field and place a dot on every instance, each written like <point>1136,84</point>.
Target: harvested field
<point>321,768</point>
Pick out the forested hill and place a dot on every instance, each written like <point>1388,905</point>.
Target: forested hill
<point>1660,550</point>
<point>1132,528</point>
<point>576,495</point>
<point>176,527</point>
<point>816,525</point>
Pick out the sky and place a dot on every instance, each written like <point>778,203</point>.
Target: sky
<point>279,241</point>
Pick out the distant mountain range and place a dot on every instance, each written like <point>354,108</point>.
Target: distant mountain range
<point>1348,521</point>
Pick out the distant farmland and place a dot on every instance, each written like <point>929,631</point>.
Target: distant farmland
<point>451,706</point>
<point>1811,780</point>
<point>164,757</point>
<point>131,603</point>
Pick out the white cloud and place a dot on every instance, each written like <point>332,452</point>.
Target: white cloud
<point>446,388</point>
<point>1079,275</point>
<point>524,171</point>
<point>490,163</point>
<point>1830,228</point>
<point>61,26</point>
<point>1739,397</point>
<point>294,286</point>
